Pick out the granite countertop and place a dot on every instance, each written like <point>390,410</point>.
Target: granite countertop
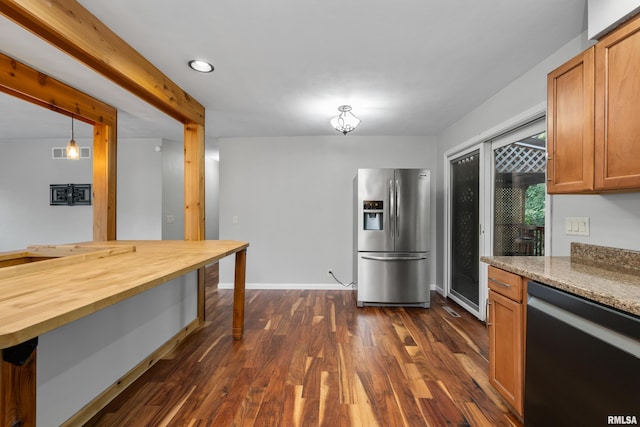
<point>605,275</point>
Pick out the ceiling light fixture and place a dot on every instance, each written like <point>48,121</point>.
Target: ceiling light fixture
<point>345,122</point>
<point>200,66</point>
<point>73,151</point>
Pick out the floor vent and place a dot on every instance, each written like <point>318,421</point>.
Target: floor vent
<point>451,311</point>
<point>61,152</point>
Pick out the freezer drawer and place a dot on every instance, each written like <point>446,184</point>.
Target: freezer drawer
<point>393,278</point>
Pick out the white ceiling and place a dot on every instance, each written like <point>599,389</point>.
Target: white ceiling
<point>407,67</point>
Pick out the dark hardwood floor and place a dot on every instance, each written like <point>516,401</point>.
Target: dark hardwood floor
<point>312,358</point>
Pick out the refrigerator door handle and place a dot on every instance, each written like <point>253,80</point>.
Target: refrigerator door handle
<point>392,209</point>
<point>394,258</point>
<point>397,206</point>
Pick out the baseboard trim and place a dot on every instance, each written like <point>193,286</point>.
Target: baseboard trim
<point>93,407</point>
<point>299,286</point>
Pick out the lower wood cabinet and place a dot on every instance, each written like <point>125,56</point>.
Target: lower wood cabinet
<point>506,323</point>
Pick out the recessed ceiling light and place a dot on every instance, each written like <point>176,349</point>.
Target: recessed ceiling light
<point>201,66</point>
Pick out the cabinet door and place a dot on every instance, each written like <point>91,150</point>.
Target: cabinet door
<point>506,349</point>
<point>570,127</point>
<point>617,91</point>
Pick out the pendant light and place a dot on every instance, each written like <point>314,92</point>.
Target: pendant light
<point>73,151</point>
<point>345,122</point>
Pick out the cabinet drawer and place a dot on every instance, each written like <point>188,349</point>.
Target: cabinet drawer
<point>505,283</point>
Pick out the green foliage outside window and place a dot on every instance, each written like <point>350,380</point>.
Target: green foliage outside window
<point>534,204</point>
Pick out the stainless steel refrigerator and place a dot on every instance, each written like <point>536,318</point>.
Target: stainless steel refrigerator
<point>393,237</point>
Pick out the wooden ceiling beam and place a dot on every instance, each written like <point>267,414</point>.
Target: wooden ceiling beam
<point>33,86</point>
<point>24,82</point>
<point>70,27</point>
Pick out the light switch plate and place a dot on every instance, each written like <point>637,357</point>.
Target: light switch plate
<point>576,226</point>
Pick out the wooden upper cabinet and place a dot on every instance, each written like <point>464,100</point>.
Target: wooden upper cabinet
<point>617,109</point>
<point>593,126</point>
<point>570,125</point>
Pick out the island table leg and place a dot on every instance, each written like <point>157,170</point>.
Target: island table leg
<point>238,294</point>
<point>17,391</point>
<point>201,296</point>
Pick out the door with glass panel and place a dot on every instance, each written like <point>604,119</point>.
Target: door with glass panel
<point>464,230</point>
<point>495,205</point>
<point>519,192</point>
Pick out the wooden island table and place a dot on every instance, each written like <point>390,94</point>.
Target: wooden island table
<point>47,288</point>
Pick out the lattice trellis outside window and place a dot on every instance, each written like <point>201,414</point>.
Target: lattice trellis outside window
<point>514,158</point>
<point>517,166</point>
<point>509,213</point>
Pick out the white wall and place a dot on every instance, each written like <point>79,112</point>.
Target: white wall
<point>604,15</point>
<point>524,93</point>
<point>212,197</point>
<point>172,190</point>
<point>26,218</point>
<point>614,220</point>
<point>293,199</point>
<point>78,361</point>
<point>139,183</point>
<point>27,169</point>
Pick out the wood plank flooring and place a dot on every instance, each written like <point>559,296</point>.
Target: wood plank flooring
<point>312,358</point>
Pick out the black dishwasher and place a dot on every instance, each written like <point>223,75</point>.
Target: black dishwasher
<point>582,362</point>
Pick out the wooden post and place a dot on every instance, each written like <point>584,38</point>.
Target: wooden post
<point>18,392</point>
<point>238,294</point>
<point>194,225</point>
<point>104,182</point>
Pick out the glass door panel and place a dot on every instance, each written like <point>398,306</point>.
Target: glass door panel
<point>519,197</point>
<point>465,228</point>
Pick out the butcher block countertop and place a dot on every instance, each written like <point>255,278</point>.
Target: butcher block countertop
<point>59,284</point>
<point>606,275</point>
